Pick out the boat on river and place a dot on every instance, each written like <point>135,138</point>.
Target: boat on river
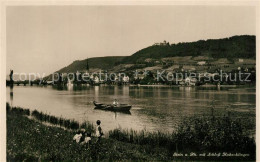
<point>110,107</point>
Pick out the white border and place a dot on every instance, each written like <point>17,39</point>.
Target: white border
<point>6,3</point>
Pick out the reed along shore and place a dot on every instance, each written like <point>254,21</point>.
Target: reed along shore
<point>29,138</point>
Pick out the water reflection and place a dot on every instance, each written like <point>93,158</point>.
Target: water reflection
<point>116,112</point>
<point>11,95</point>
<point>96,90</point>
<point>126,90</point>
<point>70,87</point>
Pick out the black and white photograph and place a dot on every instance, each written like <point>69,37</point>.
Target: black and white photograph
<point>129,82</point>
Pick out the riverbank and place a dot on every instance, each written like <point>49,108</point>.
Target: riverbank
<point>204,85</point>
<point>31,140</point>
<point>140,85</point>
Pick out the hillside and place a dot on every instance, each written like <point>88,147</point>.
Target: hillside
<point>233,47</point>
<point>229,48</point>
<point>94,63</point>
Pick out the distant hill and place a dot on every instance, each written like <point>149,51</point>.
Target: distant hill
<point>233,47</point>
<point>94,63</point>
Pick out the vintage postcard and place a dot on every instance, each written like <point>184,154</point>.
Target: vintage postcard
<point>121,81</point>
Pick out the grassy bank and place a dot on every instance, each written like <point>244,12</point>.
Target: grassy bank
<point>30,140</point>
<point>200,135</point>
<point>62,122</point>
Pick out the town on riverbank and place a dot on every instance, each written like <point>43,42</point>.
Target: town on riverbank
<point>227,61</point>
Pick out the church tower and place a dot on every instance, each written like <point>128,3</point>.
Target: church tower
<point>87,67</point>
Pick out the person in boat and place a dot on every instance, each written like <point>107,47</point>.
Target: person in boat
<point>77,137</point>
<point>99,132</point>
<point>115,103</point>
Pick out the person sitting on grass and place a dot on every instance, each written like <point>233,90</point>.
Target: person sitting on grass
<point>87,140</point>
<point>99,132</point>
<point>78,136</point>
<point>82,138</point>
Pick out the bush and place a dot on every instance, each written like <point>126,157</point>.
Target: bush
<point>87,126</point>
<point>69,124</point>
<point>197,134</point>
<point>8,107</point>
<point>17,110</point>
<point>214,134</point>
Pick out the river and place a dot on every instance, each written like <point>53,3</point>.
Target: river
<point>153,108</point>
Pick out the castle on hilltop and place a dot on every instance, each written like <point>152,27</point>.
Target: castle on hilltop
<point>164,43</point>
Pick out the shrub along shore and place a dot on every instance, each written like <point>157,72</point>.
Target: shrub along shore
<point>224,138</point>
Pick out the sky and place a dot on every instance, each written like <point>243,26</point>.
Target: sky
<point>44,39</point>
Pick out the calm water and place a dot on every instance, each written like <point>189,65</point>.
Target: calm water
<point>154,108</point>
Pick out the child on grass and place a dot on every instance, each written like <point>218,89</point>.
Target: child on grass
<point>78,136</point>
<point>87,139</point>
<point>99,132</point>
